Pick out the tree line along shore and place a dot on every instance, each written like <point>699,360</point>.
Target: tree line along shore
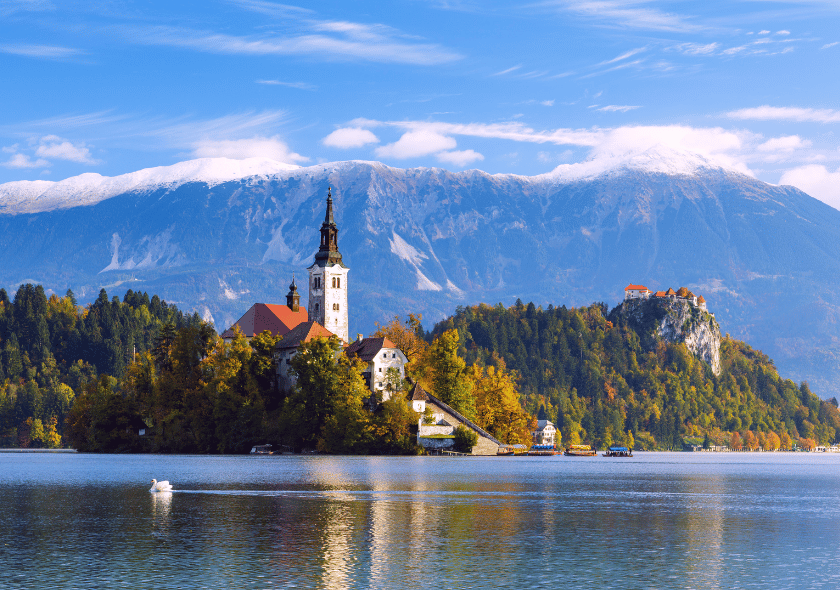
<point>94,377</point>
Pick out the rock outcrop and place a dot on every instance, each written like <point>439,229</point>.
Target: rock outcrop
<point>676,321</point>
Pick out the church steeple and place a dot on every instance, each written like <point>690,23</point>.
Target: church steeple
<point>293,297</point>
<point>328,251</point>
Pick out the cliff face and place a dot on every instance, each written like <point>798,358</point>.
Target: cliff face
<point>677,321</point>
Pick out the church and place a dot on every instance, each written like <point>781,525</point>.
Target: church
<point>327,316</point>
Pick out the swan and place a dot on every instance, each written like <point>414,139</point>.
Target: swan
<point>160,486</point>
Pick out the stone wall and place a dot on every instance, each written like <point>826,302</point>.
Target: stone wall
<point>484,446</point>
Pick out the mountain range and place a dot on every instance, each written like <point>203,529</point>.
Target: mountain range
<point>216,235</point>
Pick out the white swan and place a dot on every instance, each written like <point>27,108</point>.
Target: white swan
<point>160,486</point>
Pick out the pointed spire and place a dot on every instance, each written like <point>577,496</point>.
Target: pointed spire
<point>328,219</point>
<point>328,252</point>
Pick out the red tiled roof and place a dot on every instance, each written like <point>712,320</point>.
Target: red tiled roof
<point>701,300</point>
<point>635,288</point>
<point>277,319</point>
<point>660,294</point>
<point>367,348</point>
<point>303,333</point>
<point>670,291</point>
<point>417,393</point>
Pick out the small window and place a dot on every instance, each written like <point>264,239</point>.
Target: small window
<point>316,307</point>
<point>333,283</point>
<point>336,320</point>
<point>338,282</point>
<point>393,355</point>
<point>380,369</point>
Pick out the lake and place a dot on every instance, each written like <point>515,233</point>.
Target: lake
<point>658,520</point>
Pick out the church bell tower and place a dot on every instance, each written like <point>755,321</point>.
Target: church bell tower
<point>328,280</point>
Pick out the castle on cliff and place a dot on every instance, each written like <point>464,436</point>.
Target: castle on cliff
<point>681,294</point>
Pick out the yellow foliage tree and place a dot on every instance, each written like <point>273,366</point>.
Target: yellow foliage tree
<point>497,405</point>
<point>404,336</point>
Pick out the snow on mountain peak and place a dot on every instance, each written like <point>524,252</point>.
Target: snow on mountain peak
<point>88,189</point>
<point>659,159</point>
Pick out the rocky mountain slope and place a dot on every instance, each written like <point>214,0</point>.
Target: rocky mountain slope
<point>766,258</point>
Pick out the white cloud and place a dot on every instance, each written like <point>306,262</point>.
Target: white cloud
<point>23,161</point>
<point>613,108</point>
<point>783,32</point>
<point>298,85</point>
<point>768,113</point>
<point>350,137</point>
<point>55,147</point>
<point>784,144</point>
<point>764,32</point>
<point>697,48</point>
<point>623,56</point>
<point>460,158</point>
<point>547,103</point>
<point>507,71</point>
<point>631,14</point>
<point>43,51</point>
<point>335,41</point>
<point>827,45</point>
<point>239,149</point>
<point>413,144</point>
<point>817,181</point>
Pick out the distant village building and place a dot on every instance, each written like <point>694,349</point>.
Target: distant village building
<point>380,354</point>
<point>545,434</point>
<point>438,435</point>
<point>682,294</point>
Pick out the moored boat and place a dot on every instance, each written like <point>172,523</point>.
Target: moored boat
<point>618,452</point>
<point>580,451</point>
<point>262,450</point>
<point>542,450</point>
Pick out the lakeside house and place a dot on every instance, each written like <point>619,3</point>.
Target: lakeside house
<point>436,429</point>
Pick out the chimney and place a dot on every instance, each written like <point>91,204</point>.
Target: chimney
<point>359,337</point>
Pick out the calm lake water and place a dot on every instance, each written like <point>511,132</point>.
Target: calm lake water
<point>659,520</point>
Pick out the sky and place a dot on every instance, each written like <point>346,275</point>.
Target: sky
<point>505,87</point>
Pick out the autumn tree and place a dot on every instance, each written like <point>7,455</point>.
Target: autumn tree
<point>497,405</point>
<point>450,381</point>
<point>406,335</point>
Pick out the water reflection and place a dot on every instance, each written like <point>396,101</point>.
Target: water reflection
<point>658,522</point>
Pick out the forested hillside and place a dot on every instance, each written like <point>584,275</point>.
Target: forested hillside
<point>51,348</point>
<point>603,382</point>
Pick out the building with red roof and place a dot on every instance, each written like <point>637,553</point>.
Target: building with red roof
<point>380,354</point>
<point>277,319</point>
<point>287,348</point>
<point>636,292</point>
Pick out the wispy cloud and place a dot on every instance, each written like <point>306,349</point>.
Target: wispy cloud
<point>40,51</point>
<point>629,14</point>
<point>23,161</point>
<point>614,108</point>
<point>507,71</point>
<point>696,48</point>
<point>799,114</point>
<point>623,56</point>
<point>827,45</point>
<point>9,7</point>
<point>298,85</point>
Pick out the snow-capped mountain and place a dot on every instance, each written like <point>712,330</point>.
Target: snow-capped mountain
<point>216,235</point>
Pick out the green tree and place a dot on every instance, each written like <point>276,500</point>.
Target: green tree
<point>450,381</point>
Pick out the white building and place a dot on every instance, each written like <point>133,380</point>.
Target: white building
<point>380,354</point>
<point>636,292</point>
<point>328,281</point>
<point>545,434</point>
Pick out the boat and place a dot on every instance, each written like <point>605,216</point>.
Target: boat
<point>580,451</point>
<point>618,452</point>
<point>261,450</point>
<point>542,450</point>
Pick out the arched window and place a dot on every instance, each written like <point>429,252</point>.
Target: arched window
<point>338,283</point>
<point>316,307</point>
<point>333,283</point>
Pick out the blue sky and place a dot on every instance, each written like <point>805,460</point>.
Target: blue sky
<point>511,87</point>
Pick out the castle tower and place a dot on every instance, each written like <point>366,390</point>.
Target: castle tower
<point>328,280</point>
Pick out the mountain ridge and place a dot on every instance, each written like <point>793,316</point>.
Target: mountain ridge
<point>428,240</point>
